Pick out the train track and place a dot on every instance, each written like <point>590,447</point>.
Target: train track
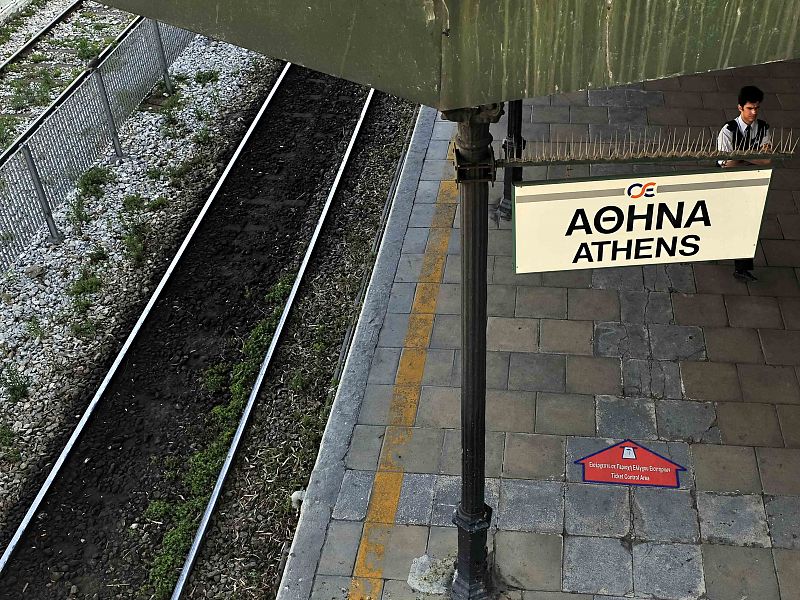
<point>150,406</point>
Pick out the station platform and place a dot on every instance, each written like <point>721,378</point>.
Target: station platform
<point>683,359</point>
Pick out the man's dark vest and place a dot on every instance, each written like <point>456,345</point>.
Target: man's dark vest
<point>737,137</point>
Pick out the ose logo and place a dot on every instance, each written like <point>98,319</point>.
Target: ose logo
<point>637,190</point>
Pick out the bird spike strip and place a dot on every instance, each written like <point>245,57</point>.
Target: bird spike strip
<point>643,147</point>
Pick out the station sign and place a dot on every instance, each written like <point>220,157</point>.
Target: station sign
<point>638,220</point>
<point>629,463</point>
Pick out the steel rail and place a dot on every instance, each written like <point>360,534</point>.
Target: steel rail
<point>237,438</point>
<point>68,91</point>
<point>134,332</point>
<point>35,39</point>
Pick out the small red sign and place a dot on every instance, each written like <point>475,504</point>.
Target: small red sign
<point>629,463</point>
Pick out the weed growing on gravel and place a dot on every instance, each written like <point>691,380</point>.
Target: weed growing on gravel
<point>158,510</point>
<point>178,173</point>
<point>203,137</point>
<point>37,57</point>
<point>6,237</point>
<point>133,202</point>
<point>85,328</point>
<point>135,240</point>
<point>14,383</point>
<point>86,49</point>
<point>8,125</point>
<point>6,437</point>
<point>157,204</point>
<point>34,328</point>
<point>204,77</point>
<point>87,283</point>
<point>15,22</point>
<point>90,184</point>
<point>98,255</point>
<point>78,216</point>
<point>154,173</point>
<point>216,378</point>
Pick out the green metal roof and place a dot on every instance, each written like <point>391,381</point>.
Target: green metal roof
<point>456,53</point>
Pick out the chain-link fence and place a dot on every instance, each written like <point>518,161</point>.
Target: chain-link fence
<point>43,166</point>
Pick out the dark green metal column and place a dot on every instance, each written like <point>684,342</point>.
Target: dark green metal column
<point>473,516</point>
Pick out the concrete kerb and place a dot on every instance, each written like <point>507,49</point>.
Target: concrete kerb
<point>326,477</point>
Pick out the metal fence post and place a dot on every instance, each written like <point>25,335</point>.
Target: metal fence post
<point>55,235</point>
<point>112,127</point>
<point>162,56</point>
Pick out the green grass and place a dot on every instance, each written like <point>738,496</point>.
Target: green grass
<point>32,90</point>
<point>37,57</point>
<point>154,173</point>
<point>83,328</point>
<point>158,204</point>
<point>6,437</point>
<point>86,49</point>
<point>78,215</point>
<point>133,202</point>
<point>216,378</point>
<point>14,383</point>
<point>204,77</point>
<point>87,283</point>
<point>98,255</point>
<point>90,184</point>
<point>8,128</point>
<point>34,328</point>
<point>135,241</point>
<point>203,137</point>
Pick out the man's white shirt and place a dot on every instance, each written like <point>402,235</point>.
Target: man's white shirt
<point>725,137</point>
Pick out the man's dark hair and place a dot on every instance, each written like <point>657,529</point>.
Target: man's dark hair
<point>750,93</point>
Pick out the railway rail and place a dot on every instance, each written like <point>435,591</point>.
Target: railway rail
<point>84,504</point>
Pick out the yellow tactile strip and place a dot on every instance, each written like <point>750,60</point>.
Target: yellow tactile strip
<point>367,579</point>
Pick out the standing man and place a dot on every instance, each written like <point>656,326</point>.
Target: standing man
<point>745,132</point>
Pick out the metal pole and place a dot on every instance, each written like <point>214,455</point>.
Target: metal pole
<point>55,236</point>
<point>513,146</point>
<point>162,57</point>
<point>473,516</point>
<point>112,127</point>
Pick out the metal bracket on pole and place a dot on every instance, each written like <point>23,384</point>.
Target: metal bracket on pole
<point>112,127</point>
<point>162,57</point>
<point>466,171</point>
<point>55,236</point>
<point>513,147</point>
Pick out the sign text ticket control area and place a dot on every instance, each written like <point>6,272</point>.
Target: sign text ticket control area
<point>638,220</point>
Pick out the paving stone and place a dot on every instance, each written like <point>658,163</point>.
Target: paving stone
<point>401,297</point>
<point>442,542</point>
<point>404,544</point>
<point>565,414</point>
<point>340,548</point>
<point>416,499</point>
<point>593,375</point>
<point>534,456</point>
<point>688,421</point>
<point>790,310</point>
<point>330,587</point>
<point>787,566</point>
<point>416,238</point>
<point>451,453</point>
<point>670,571</point>
<point>736,573</point>
<point>541,302</point>
<point>673,277</point>
<point>365,447</point>
<point>678,452</point>
<point>452,269</point>
<point>676,342</point>
<point>735,520</point>
<point>412,449</point>
<point>726,469</point>
<point>783,516</point>
<point>733,344</point>
<point>510,411</point>
<point>598,510</point>
<point>439,407</point>
<point>789,419</point>
<point>501,242</point>
<point>597,566</point>
<point>394,589</point>
<point>736,421</point>
<point>618,278</point>
<point>781,347</point>
<point>765,383</point>
<point>439,367</point>
<point>717,279</point>
<point>496,370</point>
<point>577,448</point>
<point>536,372</point>
<point>753,311</point>
<point>775,281</point>
<point>353,499</point>
<point>577,278</point>
<point>393,331</point>
<point>446,332</point>
<point>700,309</point>
<point>710,381</point>
<point>504,273</point>
<point>622,340</point>
<point>448,302</point>
<point>447,495</point>
<point>536,506</point>
<point>594,305</point>
<point>500,301</point>
<point>573,337</point>
<point>780,470</point>
<point>375,405</point>
<point>645,307</point>
<point>512,334</point>
<point>664,515</point>
<point>528,560</point>
<point>532,595</point>
<point>651,378</point>
<point>626,418</point>
<point>384,365</point>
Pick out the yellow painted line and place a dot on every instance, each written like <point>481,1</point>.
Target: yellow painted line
<point>368,570</point>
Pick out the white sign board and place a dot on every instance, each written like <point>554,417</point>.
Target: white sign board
<point>638,220</point>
